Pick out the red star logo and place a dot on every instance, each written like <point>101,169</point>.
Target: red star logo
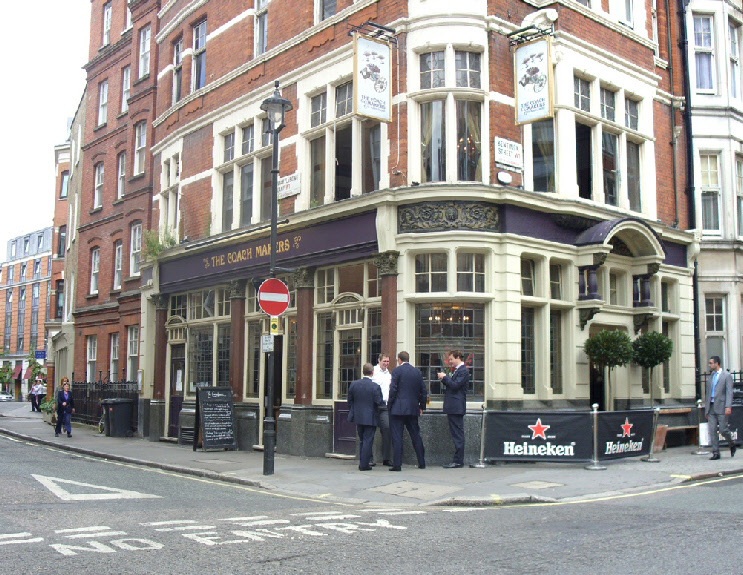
<point>626,427</point>
<point>537,430</point>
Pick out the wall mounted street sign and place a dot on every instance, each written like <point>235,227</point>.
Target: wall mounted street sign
<point>273,297</point>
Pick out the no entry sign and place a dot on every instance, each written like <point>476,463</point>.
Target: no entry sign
<point>273,297</point>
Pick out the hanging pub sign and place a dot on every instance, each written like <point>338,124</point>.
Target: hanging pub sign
<point>532,65</point>
<point>624,433</point>
<point>372,67</point>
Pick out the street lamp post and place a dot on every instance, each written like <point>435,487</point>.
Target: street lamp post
<point>276,107</point>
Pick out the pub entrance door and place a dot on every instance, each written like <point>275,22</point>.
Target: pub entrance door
<point>177,381</point>
<point>349,369</point>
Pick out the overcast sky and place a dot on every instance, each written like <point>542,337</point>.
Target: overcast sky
<point>44,80</point>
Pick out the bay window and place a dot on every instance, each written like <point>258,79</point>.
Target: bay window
<point>704,53</point>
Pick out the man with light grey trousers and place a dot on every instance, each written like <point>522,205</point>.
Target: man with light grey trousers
<point>718,405</point>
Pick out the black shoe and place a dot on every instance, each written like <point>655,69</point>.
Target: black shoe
<point>69,434</point>
<point>393,468</point>
<point>733,449</point>
<point>387,462</point>
<point>364,468</point>
<point>715,457</point>
<point>452,465</point>
<point>422,466</point>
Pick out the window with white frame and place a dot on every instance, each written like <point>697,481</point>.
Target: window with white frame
<point>739,191</point>
<point>734,33</point>
<point>229,146</point>
<point>113,366</point>
<point>631,114</point>
<point>714,316</point>
<point>543,155</point>
<point>555,281</point>
<point>140,145</point>
<point>710,183</point>
<point>102,102</point>
<point>128,18</point>
<point>324,9</point>
<point>430,273</point>
<point>177,69</point>
<point>582,94</point>
<point>91,344</point>
<point>144,52</point>
<point>446,157</point>
<point>118,254</point>
<point>626,16</point>
<point>199,56</point>
<point>107,23</point>
<point>98,189</point>
<point>126,81</point>
<point>248,139</point>
<point>95,261</point>
<point>704,53</point>
<point>227,207</point>
<point>121,179</point>
<point>132,355</point>
<point>527,277</point>
<point>135,248</point>
<point>470,272</point>
<point>261,26</point>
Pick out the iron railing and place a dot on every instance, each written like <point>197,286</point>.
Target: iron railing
<point>88,396</point>
<point>737,385</point>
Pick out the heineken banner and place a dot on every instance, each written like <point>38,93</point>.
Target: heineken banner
<point>544,436</point>
<point>624,433</point>
<point>735,424</point>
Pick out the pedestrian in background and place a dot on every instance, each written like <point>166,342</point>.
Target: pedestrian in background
<point>455,404</point>
<point>65,408</point>
<point>718,406</point>
<point>407,401</point>
<point>35,391</point>
<point>382,376</point>
<point>364,400</point>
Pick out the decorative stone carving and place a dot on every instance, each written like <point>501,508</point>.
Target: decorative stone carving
<point>304,277</point>
<point>586,314</point>
<point>653,269</point>
<point>620,248</point>
<point>161,301</point>
<point>387,263</point>
<point>237,289</point>
<point>641,320</point>
<point>444,216</point>
<point>599,258</point>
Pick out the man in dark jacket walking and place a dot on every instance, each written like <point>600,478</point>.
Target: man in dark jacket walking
<point>407,401</point>
<point>364,401</point>
<point>455,404</point>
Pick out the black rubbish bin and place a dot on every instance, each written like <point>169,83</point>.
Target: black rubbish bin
<point>106,405</point>
<point>119,419</point>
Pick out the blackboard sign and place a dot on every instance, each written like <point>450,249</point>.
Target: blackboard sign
<point>215,419</point>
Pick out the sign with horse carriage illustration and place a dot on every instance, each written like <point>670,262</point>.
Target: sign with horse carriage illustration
<point>533,77</point>
<point>372,91</point>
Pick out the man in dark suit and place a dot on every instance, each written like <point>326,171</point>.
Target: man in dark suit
<point>718,405</point>
<point>455,404</point>
<point>407,401</point>
<point>364,401</point>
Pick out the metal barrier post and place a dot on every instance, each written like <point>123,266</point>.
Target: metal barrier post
<point>700,412</point>
<point>481,463</point>
<point>650,458</point>
<point>595,466</point>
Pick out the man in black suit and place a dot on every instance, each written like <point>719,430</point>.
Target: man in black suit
<point>364,401</point>
<point>455,404</point>
<point>407,401</point>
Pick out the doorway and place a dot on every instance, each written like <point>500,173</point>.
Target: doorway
<point>177,379</point>
<point>597,387</point>
<point>349,369</point>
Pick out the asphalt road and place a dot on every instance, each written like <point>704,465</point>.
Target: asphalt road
<point>65,513</point>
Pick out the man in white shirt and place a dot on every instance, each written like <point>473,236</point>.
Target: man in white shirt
<point>382,376</point>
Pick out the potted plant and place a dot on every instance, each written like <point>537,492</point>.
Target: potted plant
<point>650,349</point>
<point>49,412</point>
<point>609,349</point>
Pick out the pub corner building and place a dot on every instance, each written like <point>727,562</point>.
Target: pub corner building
<point>421,208</point>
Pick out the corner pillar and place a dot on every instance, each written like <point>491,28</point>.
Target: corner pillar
<point>304,281</point>
<point>161,345</point>
<point>386,263</point>
<point>237,338</point>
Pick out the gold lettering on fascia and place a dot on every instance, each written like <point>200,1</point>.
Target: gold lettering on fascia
<point>247,254</point>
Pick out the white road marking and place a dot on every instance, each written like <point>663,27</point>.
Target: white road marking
<point>15,538</point>
<point>52,484</point>
<point>174,522</point>
<point>187,528</point>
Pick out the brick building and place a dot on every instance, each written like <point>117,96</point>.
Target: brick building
<point>410,234</point>
<point>25,299</point>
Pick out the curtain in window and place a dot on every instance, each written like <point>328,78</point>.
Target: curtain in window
<point>468,141</point>
<point>433,142</point>
<point>633,176</point>
<point>609,158</point>
<point>543,155</point>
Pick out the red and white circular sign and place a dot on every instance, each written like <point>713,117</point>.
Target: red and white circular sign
<point>273,297</point>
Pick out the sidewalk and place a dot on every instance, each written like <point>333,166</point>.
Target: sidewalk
<point>340,480</point>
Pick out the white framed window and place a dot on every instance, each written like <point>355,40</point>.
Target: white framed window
<point>467,66</point>
<point>177,69</point>
<point>631,113</point>
<point>248,139</point>
<point>626,17</point>
<point>107,23</point>
<point>344,99</point>
<point>470,272</point>
<point>324,9</point>
<point>431,272</point>
<point>199,56</point>
<point>555,281</point>
<point>98,190</point>
<point>715,326</point>
<point>132,352</point>
<point>95,262</point>
<point>135,248</point>
<point>229,146</point>
<point>102,102</point>
<point>582,94</point>
<point>144,52</point>
<point>734,33</point>
<point>527,277</point>
<point>261,26</point>
<point>432,70</point>
<point>739,191</point>
<point>607,104</point>
<point>704,53</point>
<point>118,254</point>
<point>126,80</point>
<point>91,344</point>
<point>128,18</point>
<point>710,183</point>
<point>140,145</point>
<point>113,367</point>
<point>121,180</point>
<point>228,180</point>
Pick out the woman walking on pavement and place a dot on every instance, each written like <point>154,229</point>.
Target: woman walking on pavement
<point>65,408</point>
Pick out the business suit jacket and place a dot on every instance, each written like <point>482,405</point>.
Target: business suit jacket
<point>364,401</point>
<point>455,392</point>
<point>60,400</point>
<point>407,391</point>
<point>723,393</point>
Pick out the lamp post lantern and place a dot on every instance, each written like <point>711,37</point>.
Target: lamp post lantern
<point>276,107</point>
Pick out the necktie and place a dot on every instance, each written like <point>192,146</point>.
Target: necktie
<point>714,383</point>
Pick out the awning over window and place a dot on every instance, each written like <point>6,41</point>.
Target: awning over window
<point>28,374</point>
<point>17,371</point>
